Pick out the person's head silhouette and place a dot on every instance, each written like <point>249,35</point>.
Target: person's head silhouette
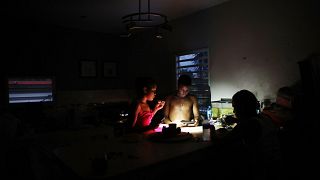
<point>245,104</point>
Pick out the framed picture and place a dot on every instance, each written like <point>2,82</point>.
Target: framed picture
<point>109,69</point>
<point>88,68</point>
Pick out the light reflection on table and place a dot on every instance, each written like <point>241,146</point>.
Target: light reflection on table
<point>193,130</point>
<point>196,131</point>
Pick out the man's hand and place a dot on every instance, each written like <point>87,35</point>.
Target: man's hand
<point>166,121</point>
<point>196,122</point>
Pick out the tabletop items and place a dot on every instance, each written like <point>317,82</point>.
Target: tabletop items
<point>113,156</point>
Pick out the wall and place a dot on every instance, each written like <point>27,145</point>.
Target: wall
<point>149,56</point>
<point>33,49</point>
<point>253,44</point>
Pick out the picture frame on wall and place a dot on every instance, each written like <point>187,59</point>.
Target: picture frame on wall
<point>88,68</point>
<point>110,69</point>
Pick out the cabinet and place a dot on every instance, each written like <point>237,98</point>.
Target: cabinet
<point>310,77</point>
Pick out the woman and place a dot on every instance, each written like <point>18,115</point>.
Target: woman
<point>142,113</point>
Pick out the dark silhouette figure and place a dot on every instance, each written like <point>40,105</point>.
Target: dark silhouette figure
<point>253,142</point>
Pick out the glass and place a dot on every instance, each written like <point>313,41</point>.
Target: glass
<point>206,128</point>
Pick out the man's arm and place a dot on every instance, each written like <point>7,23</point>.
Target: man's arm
<point>195,110</point>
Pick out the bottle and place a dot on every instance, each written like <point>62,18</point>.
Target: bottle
<point>206,130</point>
<point>209,113</point>
<point>212,131</point>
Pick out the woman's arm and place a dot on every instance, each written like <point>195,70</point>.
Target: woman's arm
<point>136,112</point>
<point>167,111</point>
<point>158,106</point>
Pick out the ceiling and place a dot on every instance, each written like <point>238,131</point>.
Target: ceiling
<point>100,15</point>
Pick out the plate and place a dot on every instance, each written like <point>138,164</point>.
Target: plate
<point>159,137</point>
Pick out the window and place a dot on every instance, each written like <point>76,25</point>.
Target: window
<point>195,64</point>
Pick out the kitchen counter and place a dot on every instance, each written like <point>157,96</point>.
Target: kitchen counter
<point>127,155</point>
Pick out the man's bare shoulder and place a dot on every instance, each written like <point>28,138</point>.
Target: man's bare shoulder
<point>192,97</point>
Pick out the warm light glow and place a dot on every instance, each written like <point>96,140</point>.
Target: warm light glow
<point>159,128</point>
<point>192,130</point>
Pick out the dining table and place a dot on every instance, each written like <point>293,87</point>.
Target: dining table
<point>133,155</point>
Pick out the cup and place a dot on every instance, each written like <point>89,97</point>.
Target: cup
<point>173,126</point>
<point>208,130</point>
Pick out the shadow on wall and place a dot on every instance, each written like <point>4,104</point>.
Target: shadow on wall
<point>93,96</point>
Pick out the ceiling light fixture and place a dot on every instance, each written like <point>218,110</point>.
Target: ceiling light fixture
<point>145,20</point>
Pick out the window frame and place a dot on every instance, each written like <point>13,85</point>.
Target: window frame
<point>200,85</point>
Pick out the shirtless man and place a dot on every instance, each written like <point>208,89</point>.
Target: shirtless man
<point>181,105</point>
